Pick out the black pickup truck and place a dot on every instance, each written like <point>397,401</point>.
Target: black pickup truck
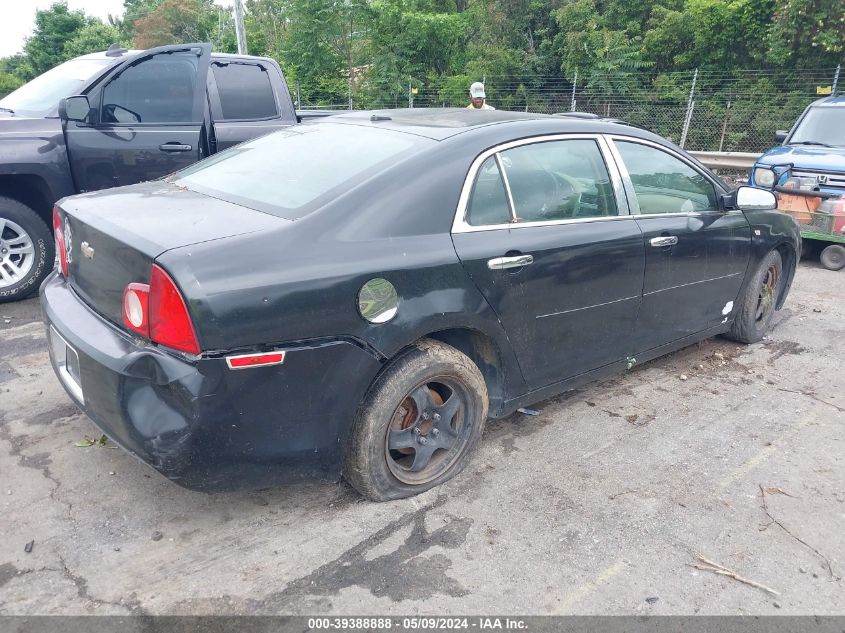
<point>117,118</point>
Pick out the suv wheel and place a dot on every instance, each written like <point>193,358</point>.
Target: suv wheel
<point>27,252</point>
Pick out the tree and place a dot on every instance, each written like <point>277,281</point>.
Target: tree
<point>93,37</point>
<point>172,22</point>
<point>807,33</point>
<point>54,28</point>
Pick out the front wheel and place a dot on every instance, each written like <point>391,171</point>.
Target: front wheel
<point>833,257</point>
<point>419,425</point>
<point>27,252</point>
<point>757,303</point>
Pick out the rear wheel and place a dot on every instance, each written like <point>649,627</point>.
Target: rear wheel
<point>833,257</point>
<point>419,425</point>
<point>27,252</point>
<point>757,304</point>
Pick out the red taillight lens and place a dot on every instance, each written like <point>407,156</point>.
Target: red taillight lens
<point>59,234</point>
<point>170,323</point>
<point>136,313</point>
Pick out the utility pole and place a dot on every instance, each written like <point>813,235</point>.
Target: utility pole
<point>239,27</point>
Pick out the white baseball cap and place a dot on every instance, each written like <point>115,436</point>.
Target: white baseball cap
<point>477,90</point>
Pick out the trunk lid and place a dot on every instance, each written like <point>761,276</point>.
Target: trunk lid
<point>114,236</point>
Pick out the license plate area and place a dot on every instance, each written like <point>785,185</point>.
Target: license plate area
<point>67,363</point>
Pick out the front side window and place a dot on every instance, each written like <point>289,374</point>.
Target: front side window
<point>552,180</point>
<point>665,184</point>
<point>245,91</point>
<point>159,89</point>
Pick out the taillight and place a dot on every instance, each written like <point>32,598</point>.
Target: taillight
<point>170,323</point>
<point>59,234</point>
<point>158,311</point>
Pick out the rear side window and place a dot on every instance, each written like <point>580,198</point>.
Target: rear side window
<point>298,169</point>
<point>159,89</point>
<point>488,204</point>
<point>245,91</point>
<point>559,180</point>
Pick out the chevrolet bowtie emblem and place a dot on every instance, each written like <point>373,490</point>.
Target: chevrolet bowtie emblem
<point>87,250</point>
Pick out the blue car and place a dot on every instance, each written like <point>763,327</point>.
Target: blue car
<point>807,171</point>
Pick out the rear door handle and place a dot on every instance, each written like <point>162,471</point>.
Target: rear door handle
<point>175,147</point>
<point>665,240</point>
<point>516,261</point>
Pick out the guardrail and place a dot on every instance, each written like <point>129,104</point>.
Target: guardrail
<point>727,160</point>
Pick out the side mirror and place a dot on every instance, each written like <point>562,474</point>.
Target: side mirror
<point>75,109</point>
<point>754,199</point>
<point>780,136</point>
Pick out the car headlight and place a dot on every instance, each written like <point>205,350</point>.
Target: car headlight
<point>764,177</point>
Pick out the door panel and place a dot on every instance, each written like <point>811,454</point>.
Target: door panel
<point>543,240</point>
<point>688,285</point>
<point>150,120</point>
<point>695,253</point>
<point>573,309</point>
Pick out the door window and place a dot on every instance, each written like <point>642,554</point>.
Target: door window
<point>559,180</point>
<point>489,203</point>
<point>159,89</point>
<point>665,184</point>
<point>245,91</point>
<point>552,180</point>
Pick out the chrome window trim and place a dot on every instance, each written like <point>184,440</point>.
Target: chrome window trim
<point>629,185</point>
<point>460,225</point>
<point>507,184</point>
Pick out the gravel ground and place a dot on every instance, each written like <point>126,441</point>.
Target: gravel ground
<point>597,506</point>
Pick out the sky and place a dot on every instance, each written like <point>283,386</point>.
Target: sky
<point>18,18</point>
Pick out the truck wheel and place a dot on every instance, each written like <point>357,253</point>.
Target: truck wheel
<point>27,252</point>
<point>757,304</point>
<point>419,424</point>
<point>833,257</point>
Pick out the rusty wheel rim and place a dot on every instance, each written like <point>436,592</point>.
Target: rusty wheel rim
<point>428,431</point>
<point>766,298</point>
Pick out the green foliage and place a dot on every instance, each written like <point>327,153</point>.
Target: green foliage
<point>54,29</point>
<point>8,83</point>
<point>642,52</point>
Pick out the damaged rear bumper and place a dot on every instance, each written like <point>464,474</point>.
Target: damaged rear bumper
<point>199,423</point>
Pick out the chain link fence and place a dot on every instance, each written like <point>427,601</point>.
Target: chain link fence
<point>703,110</point>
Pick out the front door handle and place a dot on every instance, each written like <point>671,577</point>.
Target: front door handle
<point>175,147</point>
<point>503,263</point>
<point>664,240</point>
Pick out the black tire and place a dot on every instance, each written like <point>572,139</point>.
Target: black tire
<point>757,304</point>
<point>391,433</point>
<point>18,222</point>
<point>833,257</point>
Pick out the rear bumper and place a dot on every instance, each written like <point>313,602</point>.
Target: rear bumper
<point>201,424</point>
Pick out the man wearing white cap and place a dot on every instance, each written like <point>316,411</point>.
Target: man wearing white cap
<point>476,95</point>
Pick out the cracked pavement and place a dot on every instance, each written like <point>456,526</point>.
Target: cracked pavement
<point>601,502</point>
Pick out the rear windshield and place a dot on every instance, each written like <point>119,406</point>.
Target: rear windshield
<point>293,171</point>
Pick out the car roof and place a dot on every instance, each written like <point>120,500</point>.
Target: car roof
<point>836,100</point>
<point>442,123</point>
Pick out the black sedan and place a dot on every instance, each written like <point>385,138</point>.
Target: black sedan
<point>355,297</point>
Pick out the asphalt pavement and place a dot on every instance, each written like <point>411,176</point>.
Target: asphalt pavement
<point>601,504</point>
